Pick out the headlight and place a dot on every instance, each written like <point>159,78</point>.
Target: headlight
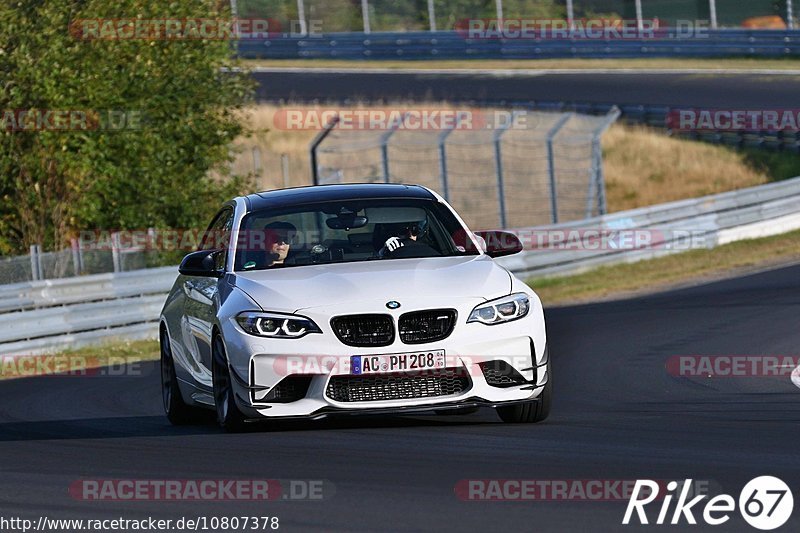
<point>502,310</point>
<point>276,325</point>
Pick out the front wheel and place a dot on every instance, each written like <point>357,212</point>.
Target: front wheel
<point>228,415</point>
<point>530,412</point>
<point>178,412</point>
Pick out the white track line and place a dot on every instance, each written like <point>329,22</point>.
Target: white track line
<point>504,73</point>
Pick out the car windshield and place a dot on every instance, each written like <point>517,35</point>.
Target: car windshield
<point>349,231</point>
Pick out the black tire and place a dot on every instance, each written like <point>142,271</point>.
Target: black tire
<point>533,411</point>
<point>228,415</point>
<point>178,412</point>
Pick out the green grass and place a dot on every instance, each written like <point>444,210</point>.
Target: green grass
<point>669,271</point>
<point>107,354</point>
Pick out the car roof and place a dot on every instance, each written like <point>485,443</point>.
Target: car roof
<point>324,193</point>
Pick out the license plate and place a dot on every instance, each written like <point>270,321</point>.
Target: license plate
<point>398,362</point>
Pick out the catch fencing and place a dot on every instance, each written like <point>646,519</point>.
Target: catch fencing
<point>518,169</point>
<point>451,45</point>
<point>78,260</point>
<point>370,16</point>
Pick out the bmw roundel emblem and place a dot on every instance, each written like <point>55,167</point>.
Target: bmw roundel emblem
<point>392,304</point>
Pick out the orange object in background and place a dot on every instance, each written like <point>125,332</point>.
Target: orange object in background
<point>772,22</point>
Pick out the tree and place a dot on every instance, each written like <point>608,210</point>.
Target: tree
<point>166,115</point>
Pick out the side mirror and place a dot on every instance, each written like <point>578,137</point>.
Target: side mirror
<point>202,264</point>
<point>500,243</point>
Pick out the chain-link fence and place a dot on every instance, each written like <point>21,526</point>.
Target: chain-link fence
<point>78,260</point>
<point>529,169</point>
<point>413,15</point>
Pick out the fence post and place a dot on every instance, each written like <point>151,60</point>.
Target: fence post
<point>36,263</point>
<point>570,15</point>
<point>551,165</point>
<point>301,15</point>
<point>498,165</point>
<point>789,15</point>
<point>639,19</point>
<point>76,256</point>
<point>115,251</point>
<point>256,160</point>
<point>597,182</point>
<point>432,15</point>
<point>365,15</point>
<point>315,144</point>
<point>385,147</point>
<point>443,158</point>
<point>712,8</point>
<point>285,170</point>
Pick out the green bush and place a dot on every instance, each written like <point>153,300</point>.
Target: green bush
<point>167,171</point>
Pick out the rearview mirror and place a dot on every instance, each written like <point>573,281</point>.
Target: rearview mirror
<point>202,264</point>
<point>346,222</point>
<point>500,243</point>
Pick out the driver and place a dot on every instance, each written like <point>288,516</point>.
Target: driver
<point>407,243</point>
<point>279,237</point>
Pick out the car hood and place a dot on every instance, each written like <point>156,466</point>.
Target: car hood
<point>296,288</point>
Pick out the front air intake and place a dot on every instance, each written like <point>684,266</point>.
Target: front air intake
<point>364,330</point>
<point>431,325</point>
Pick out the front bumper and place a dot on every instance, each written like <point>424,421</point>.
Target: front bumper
<point>259,365</point>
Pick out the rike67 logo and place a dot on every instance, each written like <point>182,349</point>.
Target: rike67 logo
<point>765,503</point>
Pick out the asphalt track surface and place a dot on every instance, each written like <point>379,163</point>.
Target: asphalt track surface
<point>617,415</point>
<point>694,90</point>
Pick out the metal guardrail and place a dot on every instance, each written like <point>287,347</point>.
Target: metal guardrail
<point>456,45</point>
<point>717,219</point>
<point>42,316</point>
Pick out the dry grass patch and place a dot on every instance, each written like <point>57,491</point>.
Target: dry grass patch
<point>644,167</point>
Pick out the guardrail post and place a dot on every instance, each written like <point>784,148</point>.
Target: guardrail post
<point>115,251</point>
<point>551,165</point>
<point>789,15</point>
<point>315,144</point>
<point>432,15</point>
<point>498,165</point>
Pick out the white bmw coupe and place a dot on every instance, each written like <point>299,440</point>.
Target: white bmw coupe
<point>350,299</point>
